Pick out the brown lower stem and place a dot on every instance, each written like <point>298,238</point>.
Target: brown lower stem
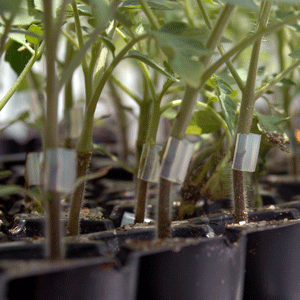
<point>240,204</point>
<point>83,163</point>
<point>141,201</point>
<point>54,234</point>
<point>163,212</point>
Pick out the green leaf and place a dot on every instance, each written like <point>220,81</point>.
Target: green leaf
<point>108,42</point>
<point>9,6</point>
<point>6,173</point>
<point>269,123</point>
<point>295,54</point>
<point>145,59</point>
<point>38,123</point>
<point>203,121</point>
<point>228,108</point>
<point>170,114</point>
<point>247,4</point>
<point>209,1</point>
<point>183,52</point>
<point>103,11</point>
<point>287,1</point>
<point>6,190</point>
<point>17,59</point>
<point>286,82</point>
<point>225,97</point>
<point>21,117</point>
<point>84,10</point>
<point>38,31</point>
<point>154,4</point>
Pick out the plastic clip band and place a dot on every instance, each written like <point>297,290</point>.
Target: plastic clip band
<point>149,168</point>
<point>60,170</point>
<point>128,218</point>
<point>33,168</point>
<point>176,160</point>
<point>246,152</point>
<point>74,121</point>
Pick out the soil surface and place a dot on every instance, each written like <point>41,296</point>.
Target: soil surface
<point>174,243</point>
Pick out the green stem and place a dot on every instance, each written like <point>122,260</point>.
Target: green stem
<point>189,13</point>
<point>54,232</point>
<point>183,118</point>
<point>22,76</point>
<point>185,111</point>
<point>72,40</point>
<point>125,89</point>
<point>154,123</point>
<point>68,98</point>
<point>60,19</point>
<point>232,70</point>
<point>122,122</point>
<point>149,80</point>
<point>85,141</point>
<point>155,115</point>
<point>176,89</point>
<point>216,34</point>
<point>246,117</point>
<point>244,44</point>
<point>229,64</point>
<point>248,97</point>
<point>85,68</point>
<point>276,79</point>
<point>148,12</point>
<point>169,105</point>
<point>151,140</point>
<point>145,113</point>
<point>68,72</point>
<point>204,14</point>
<point>4,36</point>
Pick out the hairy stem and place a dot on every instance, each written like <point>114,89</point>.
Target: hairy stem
<point>183,118</point>
<point>83,162</point>
<point>246,117</point>
<point>141,201</point>
<point>68,99</point>
<point>240,213</point>
<point>54,243</point>
<point>163,211</point>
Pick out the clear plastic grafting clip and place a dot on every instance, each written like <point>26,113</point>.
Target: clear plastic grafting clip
<point>60,170</point>
<point>74,120</point>
<point>33,168</point>
<point>246,152</point>
<point>176,160</point>
<point>149,164</point>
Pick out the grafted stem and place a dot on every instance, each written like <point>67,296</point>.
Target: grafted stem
<point>246,116</point>
<point>83,163</point>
